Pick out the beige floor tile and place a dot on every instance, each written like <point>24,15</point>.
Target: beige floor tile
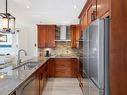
<point>62,86</point>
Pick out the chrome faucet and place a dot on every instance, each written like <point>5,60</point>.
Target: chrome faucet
<point>19,59</point>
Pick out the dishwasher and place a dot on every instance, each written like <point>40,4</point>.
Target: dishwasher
<point>27,88</point>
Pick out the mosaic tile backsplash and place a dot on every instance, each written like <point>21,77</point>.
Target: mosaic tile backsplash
<point>62,49</point>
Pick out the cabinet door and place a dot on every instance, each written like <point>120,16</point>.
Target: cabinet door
<point>92,11</point>
<point>41,36</point>
<point>102,7</point>
<point>51,67</point>
<point>73,36</point>
<point>76,68</point>
<point>89,11</point>
<point>85,21</point>
<point>78,32</point>
<point>50,37</point>
<point>41,80</point>
<point>64,67</point>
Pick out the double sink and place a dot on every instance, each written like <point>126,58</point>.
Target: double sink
<point>28,65</point>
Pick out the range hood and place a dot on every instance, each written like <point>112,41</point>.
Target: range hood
<point>63,33</point>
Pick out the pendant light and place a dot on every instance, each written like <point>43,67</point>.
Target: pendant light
<point>7,24</point>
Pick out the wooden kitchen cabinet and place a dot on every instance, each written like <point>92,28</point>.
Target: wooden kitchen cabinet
<point>51,68</point>
<point>63,67</point>
<point>41,36</point>
<point>54,67</point>
<point>75,35</point>
<point>83,22</point>
<point>43,77</point>
<point>88,14</point>
<point>50,37</point>
<point>102,7</point>
<point>46,36</point>
<point>89,19</point>
<point>92,12</point>
<point>35,84</point>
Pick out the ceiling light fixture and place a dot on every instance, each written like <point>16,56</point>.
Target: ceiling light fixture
<point>27,7</point>
<point>8,22</point>
<point>75,6</point>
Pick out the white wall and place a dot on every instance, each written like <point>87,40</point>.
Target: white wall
<point>20,42</point>
<point>27,38</point>
<point>32,40</point>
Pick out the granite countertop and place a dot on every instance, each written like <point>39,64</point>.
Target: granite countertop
<point>64,56</point>
<point>10,79</point>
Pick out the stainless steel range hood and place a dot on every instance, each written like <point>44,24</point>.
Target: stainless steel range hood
<point>63,33</point>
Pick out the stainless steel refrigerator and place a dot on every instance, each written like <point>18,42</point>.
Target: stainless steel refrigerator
<point>96,56</point>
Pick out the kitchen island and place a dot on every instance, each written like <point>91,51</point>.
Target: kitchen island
<point>18,79</point>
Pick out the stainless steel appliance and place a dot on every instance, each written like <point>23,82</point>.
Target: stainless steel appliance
<point>96,55</point>
<point>86,53</point>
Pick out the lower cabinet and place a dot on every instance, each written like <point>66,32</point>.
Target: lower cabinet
<point>63,67</point>
<point>55,67</point>
<point>35,84</point>
<point>43,77</point>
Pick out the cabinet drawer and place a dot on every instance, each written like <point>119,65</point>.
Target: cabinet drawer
<point>63,73</point>
<point>63,69</point>
<point>63,64</point>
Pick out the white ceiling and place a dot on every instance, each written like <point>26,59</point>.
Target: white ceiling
<point>59,12</point>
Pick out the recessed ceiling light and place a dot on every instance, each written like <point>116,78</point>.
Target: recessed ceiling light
<point>75,6</point>
<point>27,7</point>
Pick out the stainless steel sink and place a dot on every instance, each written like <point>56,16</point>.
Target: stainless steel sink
<point>31,65</point>
<point>28,65</point>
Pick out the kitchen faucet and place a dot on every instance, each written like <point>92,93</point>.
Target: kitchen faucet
<point>19,59</point>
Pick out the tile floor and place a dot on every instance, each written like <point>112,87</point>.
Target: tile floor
<point>62,86</point>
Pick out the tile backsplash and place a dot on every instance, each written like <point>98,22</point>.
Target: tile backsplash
<point>62,49</point>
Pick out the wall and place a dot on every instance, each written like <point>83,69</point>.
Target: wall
<point>32,43</point>
<point>26,40</point>
<point>62,49</point>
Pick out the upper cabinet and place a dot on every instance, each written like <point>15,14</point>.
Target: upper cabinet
<point>46,36</point>
<point>102,7</point>
<point>50,37</point>
<point>83,22</point>
<point>88,14</point>
<point>75,35</point>
<point>92,10</point>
